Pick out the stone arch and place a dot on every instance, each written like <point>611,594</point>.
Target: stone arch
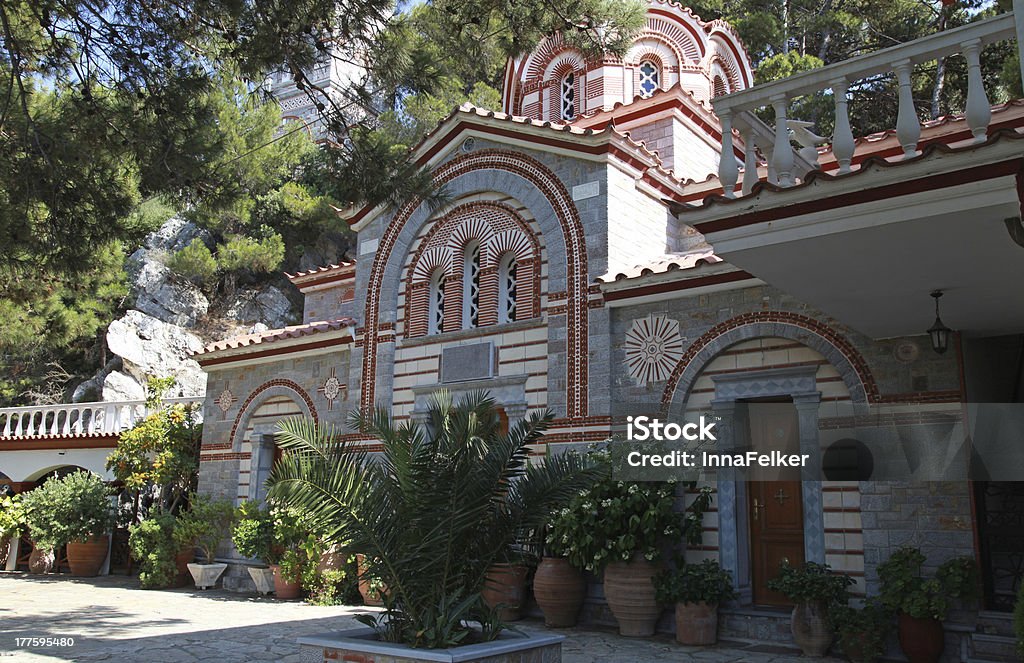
<point>838,351</point>
<point>64,468</point>
<point>266,391</point>
<point>555,214</point>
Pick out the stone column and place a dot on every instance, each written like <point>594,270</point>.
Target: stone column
<point>730,512</point>
<point>814,513</point>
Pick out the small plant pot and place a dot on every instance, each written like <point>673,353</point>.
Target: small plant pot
<point>922,640</point>
<point>559,588</point>
<point>697,623</point>
<point>505,586</point>
<point>629,589</point>
<point>86,557</point>
<point>810,627</point>
<point>206,575</point>
<point>264,579</point>
<point>283,589</point>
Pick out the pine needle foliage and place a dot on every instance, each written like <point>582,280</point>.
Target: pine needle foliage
<point>431,512</point>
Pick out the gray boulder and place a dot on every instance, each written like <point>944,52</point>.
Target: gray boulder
<point>118,386</point>
<point>149,347</point>
<point>175,234</point>
<point>268,305</point>
<point>161,294</point>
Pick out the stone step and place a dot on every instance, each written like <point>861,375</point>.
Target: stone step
<point>985,647</point>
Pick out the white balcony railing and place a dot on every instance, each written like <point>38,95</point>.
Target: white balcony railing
<point>76,418</point>
<point>734,110</point>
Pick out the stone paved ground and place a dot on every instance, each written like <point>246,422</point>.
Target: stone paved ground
<point>111,619</point>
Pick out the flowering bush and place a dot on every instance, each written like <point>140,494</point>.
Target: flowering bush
<point>614,519</point>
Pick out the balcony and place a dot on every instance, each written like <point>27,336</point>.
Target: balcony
<point>77,420</point>
<point>867,233</point>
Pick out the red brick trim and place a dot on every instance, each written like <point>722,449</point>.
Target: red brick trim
<point>827,334</point>
<point>280,382</point>
<point>549,185</point>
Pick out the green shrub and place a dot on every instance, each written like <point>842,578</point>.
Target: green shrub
<point>205,524</point>
<point>152,544</point>
<point>12,516</point>
<point>253,534</point>
<point>862,633</point>
<point>258,255</point>
<point>905,589</point>
<point>812,582</point>
<point>693,583</point>
<point>334,586</point>
<point>195,262</point>
<point>72,508</point>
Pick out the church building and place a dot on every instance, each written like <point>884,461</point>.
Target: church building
<point>626,235</point>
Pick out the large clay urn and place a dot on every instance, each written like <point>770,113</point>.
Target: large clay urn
<point>283,589</point>
<point>181,562</point>
<point>371,596</point>
<point>559,588</point>
<point>629,590</point>
<point>697,623</point>
<point>505,586</point>
<point>86,557</point>
<point>811,630</point>
<point>922,640</point>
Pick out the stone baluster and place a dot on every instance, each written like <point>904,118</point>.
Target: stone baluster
<point>782,155</point>
<point>978,111</point>
<point>55,421</point>
<point>18,430</point>
<point>908,126</point>
<point>7,425</point>
<point>750,176</point>
<point>843,144</point>
<point>728,171</point>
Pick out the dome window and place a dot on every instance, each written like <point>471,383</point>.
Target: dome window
<point>650,78</point>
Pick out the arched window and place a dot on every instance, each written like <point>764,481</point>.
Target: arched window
<point>435,313</point>
<point>471,286</point>
<point>569,96</point>
<point>650,78</point>
<point>507,289</point>
<point>720,87</point>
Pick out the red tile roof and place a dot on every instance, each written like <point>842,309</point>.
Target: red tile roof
<point>274,335</point>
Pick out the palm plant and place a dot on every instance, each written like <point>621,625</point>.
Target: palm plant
<point>433,510</point>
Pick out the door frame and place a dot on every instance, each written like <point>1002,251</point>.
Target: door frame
<point>800,384</point>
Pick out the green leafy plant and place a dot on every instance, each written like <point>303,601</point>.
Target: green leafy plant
<point>433,510</point>
<point>205,524</point>
<point>195,262</point>
<point>862,632</point>
<point>611,520</point>
<point>812,582</point>
<point>161,452</point>
<point>71,508</point>
<point>12,517</point>
<point>905,589</point>
<point>152,543</point>
<point>694,583</point>
<point>337,586</point>
<point>253,533</point>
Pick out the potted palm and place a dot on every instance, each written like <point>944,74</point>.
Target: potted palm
<point>696,590</point>
<point>862,632</point>
<point>431,512</point>
<point>253,537</point>
<point>922,603</point>
<point>204,525</point>
<point>815,590</point>
<point>75,511</point>
<point>622,529</point>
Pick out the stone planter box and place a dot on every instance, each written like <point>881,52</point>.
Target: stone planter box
<point>264,579</point>
<point>361,645</point>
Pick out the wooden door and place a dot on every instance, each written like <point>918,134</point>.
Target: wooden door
<point>775,501</point>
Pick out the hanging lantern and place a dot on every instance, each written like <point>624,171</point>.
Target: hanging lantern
<point>939,332</point>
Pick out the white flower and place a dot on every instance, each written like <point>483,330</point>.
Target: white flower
<point>606,502</point>
<point>649,556</point>
<point>633,489</point>
<point>565,538</point>
<point>668,531</point>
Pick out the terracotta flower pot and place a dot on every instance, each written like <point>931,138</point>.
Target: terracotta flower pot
<point>922,640</point>
<point>811,630</point>
<point>86,557</point>
<point>559,588</point>
<point>370,596</point>
<point>506,586</point>
<point>629,590</point>
<point>697,623</point>
<point>283,589</point>
<point>181,561</point>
